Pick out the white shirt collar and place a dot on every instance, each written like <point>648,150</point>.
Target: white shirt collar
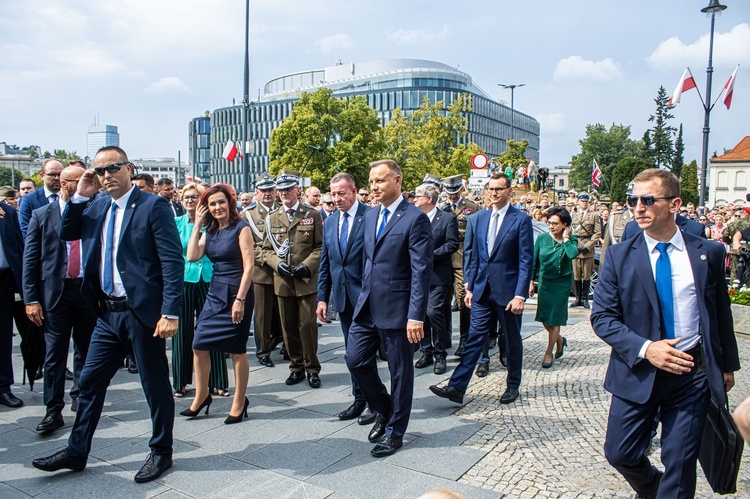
<point>353,210</point>
<point>432,213</point>
<point>502,211</point>
<point>677,241</point>
<point>392,207</point>
<point>122,203</point>
<point>48,193</point>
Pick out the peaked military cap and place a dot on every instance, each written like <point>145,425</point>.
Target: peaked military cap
<point>429,178</point>
<point>265,182</point>
<point>453,184</point>
<point>287,179</point>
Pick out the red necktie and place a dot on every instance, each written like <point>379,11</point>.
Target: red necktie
<point>74,260</point>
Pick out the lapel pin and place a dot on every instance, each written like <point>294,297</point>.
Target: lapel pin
<point>132,205</point>
<point>703,257</point>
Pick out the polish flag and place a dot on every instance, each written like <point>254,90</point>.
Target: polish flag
<point>230,151</point>
<point>729,88</point>
<point>687,82</point>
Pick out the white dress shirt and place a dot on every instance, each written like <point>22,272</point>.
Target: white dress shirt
<point>352,213</point>
<point>432,213</point>
<point>391,210</point>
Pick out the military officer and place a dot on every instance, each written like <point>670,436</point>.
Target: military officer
<point>292,247</point>
<point>616,226</point>
<point>731,230</point>
<point>255,215</point>
<point>431,179</point>
<point>461,208</point>
<point>587,229</point>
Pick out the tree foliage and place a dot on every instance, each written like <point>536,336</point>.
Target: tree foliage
<point>515,154</point>
<point>7,176</point>
<point>662,133</point>
<point>62,155</point>
<point>689,183</point>
<point>607,147</point>
<point>678,160</point>
<point>623,173</point>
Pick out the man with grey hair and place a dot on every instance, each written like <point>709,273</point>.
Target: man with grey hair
<point>445,243</point>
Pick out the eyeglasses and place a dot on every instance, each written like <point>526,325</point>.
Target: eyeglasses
<point>327,202</point>
<point>53,175</point>
<point>703,219</point>
<point>364,193</point>
<point>113,168</point>
<point>496,189</point>
<point>190,198</point>
<point>646,200</point>
<point>553,224</point>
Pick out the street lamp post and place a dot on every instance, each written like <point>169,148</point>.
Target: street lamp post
<point>246,104</point>
<point>711,10</point>
<point>512,107</point>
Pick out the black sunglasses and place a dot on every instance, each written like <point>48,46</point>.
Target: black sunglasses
<point>646,200</point>
<point>113,168</point>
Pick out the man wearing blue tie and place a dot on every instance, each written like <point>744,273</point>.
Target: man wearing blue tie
<point>662,305</point>
<point>392,304</point>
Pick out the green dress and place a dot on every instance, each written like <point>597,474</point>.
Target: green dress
<point>553,269</point>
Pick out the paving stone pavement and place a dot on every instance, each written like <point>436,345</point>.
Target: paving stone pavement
<point>548,444</point>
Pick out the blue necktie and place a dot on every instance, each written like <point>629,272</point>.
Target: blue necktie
<point>107,279</point>
<point>382,224</point>
<point>344,236</point>
<point>664,290</point>
<point>52,198</point>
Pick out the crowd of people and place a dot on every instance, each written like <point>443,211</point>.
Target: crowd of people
<point>95,256</point>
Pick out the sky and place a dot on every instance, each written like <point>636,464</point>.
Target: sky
<point>150,66</point>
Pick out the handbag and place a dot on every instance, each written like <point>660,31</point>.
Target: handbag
<point>721,449</point>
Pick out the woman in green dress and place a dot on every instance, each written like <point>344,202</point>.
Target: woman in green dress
<point>554,252</point>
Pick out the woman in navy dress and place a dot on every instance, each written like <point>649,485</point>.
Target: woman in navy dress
<point>224,323</point>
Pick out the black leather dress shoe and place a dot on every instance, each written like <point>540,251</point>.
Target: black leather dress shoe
<point>460,350</point>
<point>503,357</point>
<point>74,405</point>
<point>387,447</point>
<point>449,393</point>
<point>51,422</point>
<point>266,361</point>
<point>367,417</point>
<point>10,400</point>
<point>295,377</point>
<point>152,469</point>
<point>68,374</point>
<point>492,343</point>
<point>510,396</point>
<point>39,374</point>
<point>378,429</point>
<point>353,411</point>
<point>440,366</point>
<point>59,461</point>
<point>424,361</point>
<point>313,380</point>
<point>132,366</point>
<point>483,369</point>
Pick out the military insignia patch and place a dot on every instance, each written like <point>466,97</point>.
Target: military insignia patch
<point>307,221</point>
<point>467,211</point>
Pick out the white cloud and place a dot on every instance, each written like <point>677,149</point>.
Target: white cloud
<point>730,49</point>
<point>551,123</point>
<point>412,36</point>
<point>576,67</point>
<point>333,42</point>
<point>168,84</point>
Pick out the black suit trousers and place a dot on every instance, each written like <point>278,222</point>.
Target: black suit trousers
<point>7,299</point>
<point>436,332</point>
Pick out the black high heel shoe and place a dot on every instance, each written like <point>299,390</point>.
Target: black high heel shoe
<point>562,348</point>
<point>236,419</point>
<point>206,403</point>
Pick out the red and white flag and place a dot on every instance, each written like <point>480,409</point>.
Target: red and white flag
<point>230,151</point>
<point>596,176</point>
<point>687,82</point>
<point>729,88</point>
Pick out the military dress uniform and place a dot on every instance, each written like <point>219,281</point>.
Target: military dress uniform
<point>731,230</point>
<point>588,230</point>
<point>461,210</point>
<point>295,239</point>
<point>614,229</point>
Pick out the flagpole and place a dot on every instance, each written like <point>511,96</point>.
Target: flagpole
<point>246,104</point>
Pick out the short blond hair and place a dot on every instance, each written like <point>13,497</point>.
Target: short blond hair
<point>192,185</point>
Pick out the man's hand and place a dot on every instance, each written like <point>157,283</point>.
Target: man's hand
<point>88,186</point>
<point>35,313</point>
<point>322,311</point>
<point>414,331</point>
<point>728,381</point>
<point>515,306</point>
<point>166,328</point>
<point>532,288</point>
<point>663,355</point>
<point>468,298</point>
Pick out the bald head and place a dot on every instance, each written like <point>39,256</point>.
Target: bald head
<point>69,178</point>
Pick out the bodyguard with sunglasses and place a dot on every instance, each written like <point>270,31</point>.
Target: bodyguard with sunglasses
<point>662,305</point>
<point>134,277</point>
<point>632,229</point>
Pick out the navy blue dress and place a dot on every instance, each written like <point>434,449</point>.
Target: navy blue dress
<point>215,330</point>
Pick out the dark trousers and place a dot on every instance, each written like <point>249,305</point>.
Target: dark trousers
<point>364,339</point>
<point>109,345</point>
<point>70,314</point>
<point>683,403</point>
<point>436,332</point>
<point>7,302</point>
<point>483,311</point>
<point>345,316</point>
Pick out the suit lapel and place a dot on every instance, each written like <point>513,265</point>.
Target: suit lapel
<point>482,227</point>
<point>359,222</point>
<point>508,220</point>
<point>394,219</point>
<point>641,262</point>
<point>699,263</point>
<point>129,208</point>
<point>333,222</point>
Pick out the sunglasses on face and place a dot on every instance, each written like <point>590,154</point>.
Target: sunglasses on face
<point>113,168</point>
<point>646,200</point>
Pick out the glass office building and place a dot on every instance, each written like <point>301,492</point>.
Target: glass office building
<point>387,85</point>
<point>99,136</point>
<point>199,148</point>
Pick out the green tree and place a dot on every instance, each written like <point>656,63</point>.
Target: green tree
<point>515,154</point>
<point>7,176</point>
<point>624,172</point>
<point>689,183</point>
<point>662,133</point>
<point>62,155</point>
<point>607,147</point>
<point>345,132</point>
<point>648,148</point>
<point>679,154</point>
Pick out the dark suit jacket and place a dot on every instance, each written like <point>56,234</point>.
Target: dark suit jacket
<point>45,258</point>
<point>149,255</point>
<point>626,312</point>
<point>341,275</point>
<point>685,225</point>
<point>397,267</point>
<point>178,208</point>
<point>10,231</point>
<point>445,243</point>
<point>29,203</point>
<point>508,268</point>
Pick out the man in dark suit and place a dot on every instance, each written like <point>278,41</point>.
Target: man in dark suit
<point>392,304</point>
<point>662,305</point>
<point>340,273</point>
<point>52,279</point>
<point>11,256</point>
<point>166,190</point>
<point>51,169</point>
<point>498,273</point>
<point>445,243</point>
<point>134,273</point>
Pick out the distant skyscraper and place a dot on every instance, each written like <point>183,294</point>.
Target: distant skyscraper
<point>100,136</point>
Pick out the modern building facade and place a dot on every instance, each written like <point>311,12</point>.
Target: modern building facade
<point>728,176</point>
<point>387,85</point>
<point>99,136</point>
<point>162,167</point>
<point>199,148</point>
